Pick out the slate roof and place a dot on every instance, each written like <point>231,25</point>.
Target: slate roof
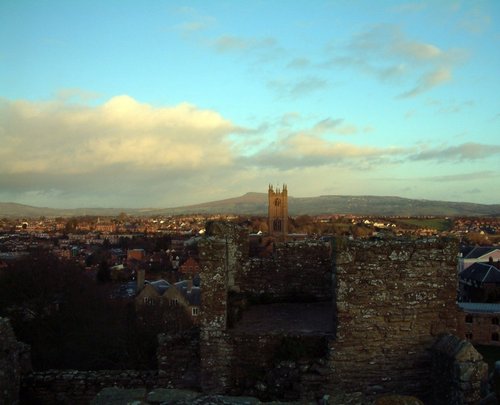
<point>193,295</point>
<point>481,273</point>
<point>483,307</point>
<point>479,251</point>
<point>159,285</point>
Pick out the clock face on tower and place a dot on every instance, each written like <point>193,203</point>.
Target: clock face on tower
<point>277,202</point>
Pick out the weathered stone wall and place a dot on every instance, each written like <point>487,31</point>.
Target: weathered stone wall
<point>71,387</point>
<point>393,298</point>
<point>273,366</point>
<point>14,360</point>
<point>215,347</point>
<point>296,271</point>
<point>459,373</point>
<point>179,360</point>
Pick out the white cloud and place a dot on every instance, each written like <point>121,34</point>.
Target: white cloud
<point>55,137</point>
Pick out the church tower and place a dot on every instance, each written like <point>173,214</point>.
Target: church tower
<point>278,212</point>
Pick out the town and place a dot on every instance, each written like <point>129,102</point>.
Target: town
<point>126,292</point>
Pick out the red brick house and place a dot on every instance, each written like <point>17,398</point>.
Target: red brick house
<point>190,267</point>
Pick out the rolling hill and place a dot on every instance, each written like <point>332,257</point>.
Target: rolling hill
<point>256,204</point>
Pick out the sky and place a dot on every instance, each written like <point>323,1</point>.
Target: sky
<point>160,104</point>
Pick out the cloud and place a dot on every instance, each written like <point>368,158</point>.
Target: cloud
<point>462,177</point>
<point>409,7</point>
<point>59,137</point>
<point>334,126</point>
<point>299,63</point>
<point>230,43</point>
<point>465,152</point>
<point>428,81</point>
<point>387,53</point>
<point>475,22</point>
<point>306,150</point>
<point>297,88</point>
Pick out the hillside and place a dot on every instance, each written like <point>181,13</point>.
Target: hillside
<point>256,204</point>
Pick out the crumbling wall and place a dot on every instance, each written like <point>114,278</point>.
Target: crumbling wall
<point>14,360</point>
<point>459,373</point>
<point>296,271</point>
<point>393,298</point>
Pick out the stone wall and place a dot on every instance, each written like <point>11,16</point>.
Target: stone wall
<point>459,373</point>
<point>14,361</point>
<point>215,349</point>
<point>275,366</point>
<point>179,360</point>
<point>393,297</point>
<point>296,271</point>
<point>71,387</point>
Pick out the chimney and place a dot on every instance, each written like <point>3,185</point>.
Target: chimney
<point>140,276</point>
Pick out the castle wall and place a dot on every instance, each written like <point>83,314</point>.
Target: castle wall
<point>215,347</point>
<point>393,299</point>
<point>14,360</point>
<point>74,387</point>
<point>459,372</point>
<point>296,271</point>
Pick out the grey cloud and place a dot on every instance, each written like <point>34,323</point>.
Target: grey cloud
<point>466,151</point>
<point>462,177</point>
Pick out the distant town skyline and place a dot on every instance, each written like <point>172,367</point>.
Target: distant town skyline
<point>165,104</point>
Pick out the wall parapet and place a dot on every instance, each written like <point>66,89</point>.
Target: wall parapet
<point>79,387</point>
<point>459,373</point>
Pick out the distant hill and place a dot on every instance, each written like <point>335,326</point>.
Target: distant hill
<point>256,204</point>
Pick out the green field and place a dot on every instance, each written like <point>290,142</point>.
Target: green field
<point>440,224</point>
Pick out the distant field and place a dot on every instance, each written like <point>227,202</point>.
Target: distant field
<point>440,224</point>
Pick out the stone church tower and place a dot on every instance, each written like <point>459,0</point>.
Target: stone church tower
<point>278,212</point>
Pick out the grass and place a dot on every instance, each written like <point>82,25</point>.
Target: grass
<point>440,224</point>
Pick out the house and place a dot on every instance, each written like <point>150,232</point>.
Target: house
<point>190,267</point>
<point>163,295</point>
<point>136,254</point>
<point>480,323</point>
<point>473,254</point>
<point>480,282</point>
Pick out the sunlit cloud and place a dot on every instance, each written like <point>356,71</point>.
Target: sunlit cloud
<point>55,137</point>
